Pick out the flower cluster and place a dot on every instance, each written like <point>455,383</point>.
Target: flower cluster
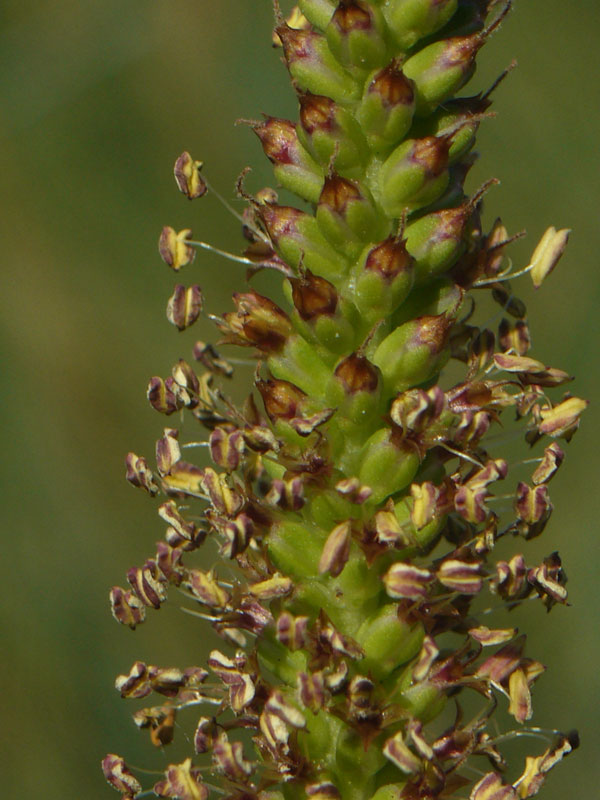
<point>358,494</point>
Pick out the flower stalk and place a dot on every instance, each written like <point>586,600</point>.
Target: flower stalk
<point>358,494</point>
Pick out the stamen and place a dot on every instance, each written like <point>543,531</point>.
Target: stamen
<point>219,252</point>
<point>145,771</point>
<point>533,733</point>
<point>504,276</point>
<point>509,605</point>
<point>243,362</point>
<point>461,455</point>
<point>224,202</point>
<point>232,211</point>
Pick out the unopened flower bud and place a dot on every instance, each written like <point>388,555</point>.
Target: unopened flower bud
<point>440,69</point>
<point>347,215</point>
<point>318,11</point>
<point>384,278</point>
<point>437,240</point>
<point>313,296</point>
<point>411,20</point>
<point>282,399</point>
<point>313,66</point>
<point>454,193</point>
<point>318,305</point>
<point>173,247</point>
<point>387,641</point>
<point>355,35</point>
<point>294,168</point>
<point>355,389</point>
<point>462,116</point>
<point>258,322</point>
<point>387,108</point>
<point>414,175</point>
<point>386,466</point>
<point>330,133</point>
<point>356,374</point>
<point>440,296</point>
<point>297,237</point>
<point>188,178</point>
<point>413,352</point>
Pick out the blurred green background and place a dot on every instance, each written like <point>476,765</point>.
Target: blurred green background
<point>97,100</point>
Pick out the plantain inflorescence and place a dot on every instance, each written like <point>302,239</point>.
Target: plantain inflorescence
<point>355,499</point>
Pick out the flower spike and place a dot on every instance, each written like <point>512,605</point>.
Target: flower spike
<point>351,505</point>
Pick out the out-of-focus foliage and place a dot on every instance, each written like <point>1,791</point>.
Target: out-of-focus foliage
<point>97,101</point>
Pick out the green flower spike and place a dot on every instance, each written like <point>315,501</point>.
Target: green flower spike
<point>354,496</point>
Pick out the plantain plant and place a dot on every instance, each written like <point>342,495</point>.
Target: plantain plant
<point>353,496</point>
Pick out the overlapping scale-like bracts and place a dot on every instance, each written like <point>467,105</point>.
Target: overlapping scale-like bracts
<point>357,495</point>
